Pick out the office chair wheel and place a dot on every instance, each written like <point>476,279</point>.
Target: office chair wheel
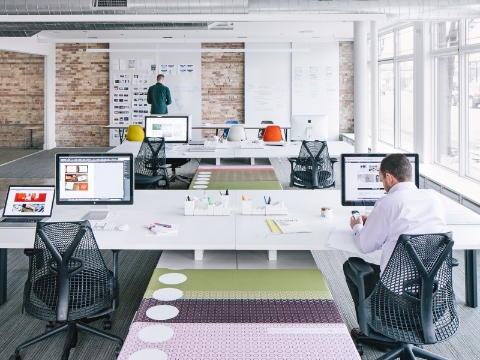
<point>107,325</point>
<point>359,349</point>
<point>49,327</point>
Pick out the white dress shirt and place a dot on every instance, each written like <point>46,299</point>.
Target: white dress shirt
<point>404,210</point>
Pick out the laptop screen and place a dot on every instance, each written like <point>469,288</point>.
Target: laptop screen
<point>29,201</point>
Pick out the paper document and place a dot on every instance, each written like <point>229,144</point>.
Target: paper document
<point>341,238</point>
<point>158,229</point>
<point>290,226</point>
<point>273,226</point>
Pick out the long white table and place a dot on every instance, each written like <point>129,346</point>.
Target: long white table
<point>237,231</point>
<point>234,150</point>
<point>217,127</point>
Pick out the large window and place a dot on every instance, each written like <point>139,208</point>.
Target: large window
<point>447,125</point>
<point>456,54</point>
<point>473,115</point>
<point>406,105</point>
<point>395,69</point>
<point>387,103</point>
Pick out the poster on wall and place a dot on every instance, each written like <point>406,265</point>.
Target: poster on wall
<point>186,69</point>
<point>168,69</point>
<point>121,79</point>
<point>140,79</point>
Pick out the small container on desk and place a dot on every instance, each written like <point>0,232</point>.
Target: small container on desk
<point>225,199</point>
<point>189,207</point>
<point>248,209</point>
<point>276,208</point>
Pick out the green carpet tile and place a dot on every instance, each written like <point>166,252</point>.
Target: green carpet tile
<point>245,284</point>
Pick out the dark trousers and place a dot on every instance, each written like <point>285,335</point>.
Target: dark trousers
<point>369,281</point>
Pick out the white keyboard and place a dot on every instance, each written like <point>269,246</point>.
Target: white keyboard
<point>104,226</point>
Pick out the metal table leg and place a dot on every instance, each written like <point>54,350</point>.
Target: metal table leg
<point>3,276</point>
<point>121,134</point>
<point>471,278</point>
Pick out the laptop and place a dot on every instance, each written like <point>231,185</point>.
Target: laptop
<point>196,142</point>
<point>26,205</point>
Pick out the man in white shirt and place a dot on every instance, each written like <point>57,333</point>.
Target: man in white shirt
<point>404,210</point>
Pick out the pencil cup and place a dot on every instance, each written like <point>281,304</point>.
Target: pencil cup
<point>210,209</point>
<point>327,212</point>
<point>218,209</point>
<point>247,207</point>
<point>225,200</point>
<point>189,206</point>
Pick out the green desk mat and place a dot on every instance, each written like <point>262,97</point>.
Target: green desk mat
<point>239,185</point>
<point>245,284</point>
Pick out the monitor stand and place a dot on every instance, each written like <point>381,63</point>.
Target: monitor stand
<point>97,212</point>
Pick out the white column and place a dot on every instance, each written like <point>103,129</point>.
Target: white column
<point>360,76</point>
<point>423,131</point>
<point>374,85</point>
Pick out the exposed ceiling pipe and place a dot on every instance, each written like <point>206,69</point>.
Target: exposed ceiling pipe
<point>395,9</point>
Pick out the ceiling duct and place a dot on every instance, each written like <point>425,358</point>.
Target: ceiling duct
<point>134,7</point>
<point>29,29</point>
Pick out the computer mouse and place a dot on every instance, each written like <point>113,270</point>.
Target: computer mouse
<point>123,227</point>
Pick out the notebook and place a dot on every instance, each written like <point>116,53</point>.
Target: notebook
<point>26,205</point>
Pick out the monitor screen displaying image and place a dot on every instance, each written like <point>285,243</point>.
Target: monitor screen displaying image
<point>361,183</point>
<point>94,179</point>
<point>175,129</point>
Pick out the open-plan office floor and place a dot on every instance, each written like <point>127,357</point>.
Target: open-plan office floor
<point>16,327</point>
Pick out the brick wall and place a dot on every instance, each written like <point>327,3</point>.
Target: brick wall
<point>21,98</point>
<point>82,96</point>
<point>223,84</point>
<point>345,68</point>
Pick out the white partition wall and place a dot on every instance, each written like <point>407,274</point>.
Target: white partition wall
<point>181,67</point>
<point>267,84</point>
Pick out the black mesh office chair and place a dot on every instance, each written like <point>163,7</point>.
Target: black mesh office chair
<point>313,168</point>
<point>261,131</point>
<point>150,164</point>
<point>175,164</point>
<point>413,303</point>
<point>68,283</point>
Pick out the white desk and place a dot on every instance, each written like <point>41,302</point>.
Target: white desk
<point>335,149</point>
<point>237,231</point>
<point>217,127</point>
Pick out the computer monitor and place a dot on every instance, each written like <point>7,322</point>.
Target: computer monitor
<point>309,127</point>
<point>361,183</point>
<point>174,128</point>
<point>94,179</point>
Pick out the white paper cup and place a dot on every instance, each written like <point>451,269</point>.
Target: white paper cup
<point>327,212</point>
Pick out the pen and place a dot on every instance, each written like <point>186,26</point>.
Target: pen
<point>226,193</point>
<point>209,201</point>
<point>269,200</point>
<point>265,199</point>
<point>188,198</point>
<point>164,225</point>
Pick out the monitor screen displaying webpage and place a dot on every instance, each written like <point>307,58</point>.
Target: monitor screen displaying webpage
<point>175,129</point>
<point>29,201</point>
<point>94,179</point>
<point>361,183</point>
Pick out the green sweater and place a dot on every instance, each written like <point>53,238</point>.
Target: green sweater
<point>159,97</point>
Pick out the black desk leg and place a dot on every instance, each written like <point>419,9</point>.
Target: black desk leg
<point>471,278</point>
<point>3,276</point>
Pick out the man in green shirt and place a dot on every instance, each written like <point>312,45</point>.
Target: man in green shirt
<point>159,96</point>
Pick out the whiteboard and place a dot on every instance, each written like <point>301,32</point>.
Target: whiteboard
<point>315,88</point>
<point>267,85</point>
<point>182,77</point>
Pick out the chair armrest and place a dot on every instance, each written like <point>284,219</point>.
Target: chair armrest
<point>333,160</point>
<point>29,252</point>
<point>360,267</point>
<point>166,166</point>
<point>292,160</point>
<point>454,262</point>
